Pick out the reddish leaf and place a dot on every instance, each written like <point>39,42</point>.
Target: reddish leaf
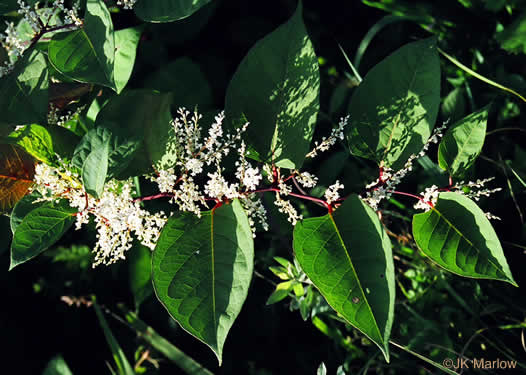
<point>17,169</point>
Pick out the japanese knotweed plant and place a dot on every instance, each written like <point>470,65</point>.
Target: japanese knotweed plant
<point>214,170</point>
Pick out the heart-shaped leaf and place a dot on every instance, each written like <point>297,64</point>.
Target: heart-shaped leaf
<point>201,271</point>
<point>457,236</point>
<point>347,255</point>
<point>395,107</point>
<point>276,88</point>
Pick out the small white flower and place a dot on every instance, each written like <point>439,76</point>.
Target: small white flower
<point>331,194</point>
<point>194,166</point>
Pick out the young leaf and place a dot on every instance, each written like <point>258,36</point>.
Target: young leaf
<point>281,292</point>
<point>201,271</point>
<point>39,230</point>
<point>87,54</point>
<point>276,88</point>
<point>463,143</point>
<point>347,256</point>
<point>126,42</point>
<point>17,169</point>
<point>24,91</point>
<point>322,370</point>
<point>394,109</point>
<point>456,235</point>
<point>167,10</point>
<point>140,269</point>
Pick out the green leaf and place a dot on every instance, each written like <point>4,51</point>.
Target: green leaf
<point>57,366</point>
<point>24,91</point>
<point>281,292</point>
<point>167,10</point>
<point>394,109</point>
<point>87,54</point>
<point>139,269</point>
<point>276,88</point>
<point>39,230</point>
<point>120,151</point>
<point>123,366</point>
<point>126,42</point>
<point>201,271</point>
<point>142,117</point>
<point>456,235</point>
<point>513,38</point>
<point>463,143</point>
<point>347,256</point>
<point>22,208</point>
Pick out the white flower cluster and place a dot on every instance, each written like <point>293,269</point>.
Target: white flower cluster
<point>126,4</point>
<point>41,18</point>
<point>306,179</point>
<point>382,188</point>
<point>55,118</point>
<point>196,155</point>
<point>115,213</point>
<point>475,190</point>
<point>256,212</point>
<point>326,143</point>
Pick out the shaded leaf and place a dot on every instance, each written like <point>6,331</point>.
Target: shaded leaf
<point>121,150</point>
<point>126,42</point>
<point>276,88</point>
<point>201,271</point>
<point>167,10</point>
<point>347,255</point>
<point>39,230</point>
<point>187,83</point>
<point>24,91</point>
<point>17,169</point>
<point>463,143</point>
<point>456,235</point>
<point>142,117</point>
<point>454,105</point>
<point>394,109</point>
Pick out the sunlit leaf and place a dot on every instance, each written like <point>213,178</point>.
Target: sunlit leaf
<point>456,235</point>
<point>276,89</point>
<point>395,107</point>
